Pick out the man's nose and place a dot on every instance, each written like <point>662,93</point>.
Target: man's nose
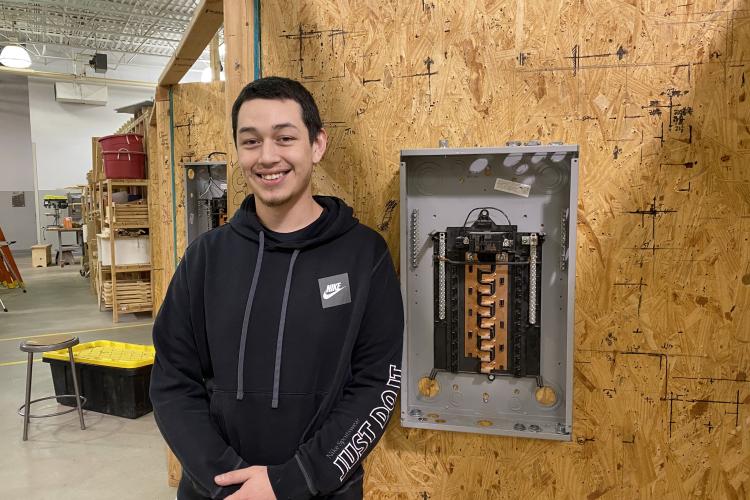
<point>269,154</point>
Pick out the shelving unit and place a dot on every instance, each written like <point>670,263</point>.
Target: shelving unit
<point>125,288</point>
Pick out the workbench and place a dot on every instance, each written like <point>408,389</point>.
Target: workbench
<point>66,248</point>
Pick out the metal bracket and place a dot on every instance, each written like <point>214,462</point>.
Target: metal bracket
<point>564,239</point>
<point>414,236</point>
<point>561,428</point>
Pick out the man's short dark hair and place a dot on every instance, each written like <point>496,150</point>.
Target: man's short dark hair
<point>280,88</point>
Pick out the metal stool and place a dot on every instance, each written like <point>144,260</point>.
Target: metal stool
<point>46,344</point>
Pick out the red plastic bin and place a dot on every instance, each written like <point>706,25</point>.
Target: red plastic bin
<point>124,165</point>
<point>118,142</point>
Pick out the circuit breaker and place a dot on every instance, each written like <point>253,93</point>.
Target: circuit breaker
<point>488,267</point>
<point>205,197</point>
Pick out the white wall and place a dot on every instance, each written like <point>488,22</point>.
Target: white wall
<point>62,132</point>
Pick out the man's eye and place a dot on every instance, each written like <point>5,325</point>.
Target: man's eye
<point>251,142</point>
<point>286,139</point>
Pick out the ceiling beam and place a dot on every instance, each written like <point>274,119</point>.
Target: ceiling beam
<point>127,48</point>
<point>112,13</point>
<point>207,19</point>
<point>81,51</point>
<point>52,75</point>
<point>38,28</point>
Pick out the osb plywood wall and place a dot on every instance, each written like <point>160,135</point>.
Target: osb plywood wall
<point>655,92</point>
<point>198,129</point>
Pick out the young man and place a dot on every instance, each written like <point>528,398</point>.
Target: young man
<point>278,345</point>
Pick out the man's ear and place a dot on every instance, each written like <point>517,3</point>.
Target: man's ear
<point>319,146</point>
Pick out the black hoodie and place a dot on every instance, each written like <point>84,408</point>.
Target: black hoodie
<point>280,350</point>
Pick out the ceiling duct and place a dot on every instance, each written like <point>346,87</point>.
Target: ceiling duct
<point>81,93</point>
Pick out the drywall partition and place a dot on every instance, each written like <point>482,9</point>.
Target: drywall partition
<point>17,202</point>
<point>656,95</point>
<point>15,134</point>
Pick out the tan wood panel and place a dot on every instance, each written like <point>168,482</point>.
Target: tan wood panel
<point>655,94</point>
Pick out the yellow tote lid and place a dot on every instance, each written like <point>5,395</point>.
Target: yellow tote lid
<point>108,353</point>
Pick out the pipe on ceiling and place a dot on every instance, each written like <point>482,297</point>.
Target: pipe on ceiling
<point>50,75</point>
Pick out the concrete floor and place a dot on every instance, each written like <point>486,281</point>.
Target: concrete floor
<point>114,458</point>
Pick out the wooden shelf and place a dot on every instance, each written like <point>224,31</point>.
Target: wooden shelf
<point>126,226</point>
<point>132,268</point>
<point>144,308</point>
<point>133,309</point>
<point>125,182</point>
<point>130,296</point>
<point>127,215</point>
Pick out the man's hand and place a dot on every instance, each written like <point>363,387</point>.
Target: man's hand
<point>257,485</point>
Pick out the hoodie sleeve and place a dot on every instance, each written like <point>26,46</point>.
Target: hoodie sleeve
<point>323,463</point>
<point>179,396</point>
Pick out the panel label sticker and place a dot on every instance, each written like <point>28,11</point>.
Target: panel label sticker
<point>511,187</point>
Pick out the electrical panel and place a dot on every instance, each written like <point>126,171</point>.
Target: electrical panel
<point>487,303</point>
<point>488,267</point>
<point>205,197</point>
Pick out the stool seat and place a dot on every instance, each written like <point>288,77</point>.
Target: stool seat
<point>46,344</point>
<point>49,343</point>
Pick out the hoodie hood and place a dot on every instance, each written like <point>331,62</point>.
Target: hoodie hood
<point>337,219</point>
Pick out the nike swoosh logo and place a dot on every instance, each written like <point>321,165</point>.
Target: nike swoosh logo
<point>327,295</point>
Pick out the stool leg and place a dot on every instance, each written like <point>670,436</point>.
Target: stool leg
<point>75,386</point>
<point>27,410</point>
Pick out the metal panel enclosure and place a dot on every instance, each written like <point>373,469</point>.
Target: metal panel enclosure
<point>205,197</point>
<point>536,187</point>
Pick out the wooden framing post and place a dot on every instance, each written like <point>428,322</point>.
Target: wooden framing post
<point>239,64</point>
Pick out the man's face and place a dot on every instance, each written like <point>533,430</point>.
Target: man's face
<point>274,150</point>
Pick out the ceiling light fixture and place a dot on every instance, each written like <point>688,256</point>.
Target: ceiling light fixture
<point>15,56</point>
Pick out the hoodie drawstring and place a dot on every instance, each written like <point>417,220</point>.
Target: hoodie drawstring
<point>282,322</point>
<point>280,335</point>
<point>246,319</point>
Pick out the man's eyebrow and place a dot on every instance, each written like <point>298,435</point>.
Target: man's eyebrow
<point>284,125</point>
<point>278,126</point>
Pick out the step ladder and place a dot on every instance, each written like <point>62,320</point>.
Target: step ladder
<point>10,276</point>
